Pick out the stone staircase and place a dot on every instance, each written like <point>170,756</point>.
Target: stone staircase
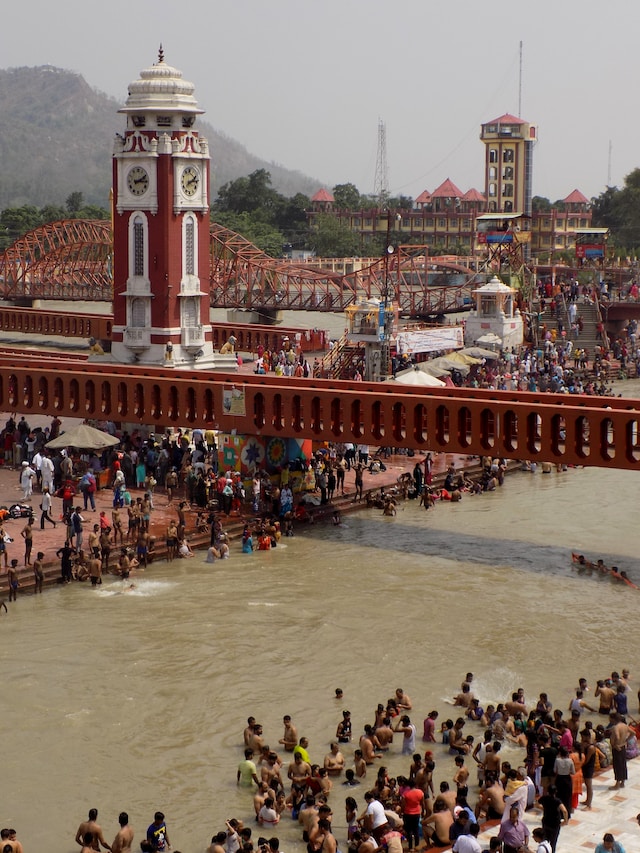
<point>590,317</point>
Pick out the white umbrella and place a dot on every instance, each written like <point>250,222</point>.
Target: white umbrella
<point>479,352</point>
<point>84,437</point>
<point>418,377</point>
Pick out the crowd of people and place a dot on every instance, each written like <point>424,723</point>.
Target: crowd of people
<point>553,755</point>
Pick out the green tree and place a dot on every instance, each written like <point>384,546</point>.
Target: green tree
<point>539,204</point>
<point>253,194</point>
<point>16,221</point>
<point>74,202</point>
<point>331,239</point>
<point>52,212</point>
<point>253,229</point>
<point>346,196</point>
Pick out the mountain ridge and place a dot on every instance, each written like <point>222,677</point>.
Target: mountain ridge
<point>56,137</point>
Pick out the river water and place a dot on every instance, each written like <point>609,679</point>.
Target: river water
<point>137,700</point>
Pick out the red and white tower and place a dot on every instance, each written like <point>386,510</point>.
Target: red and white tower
<point>161,228</point>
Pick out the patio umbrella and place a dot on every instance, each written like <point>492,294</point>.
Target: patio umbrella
<point>84,437</point>
<point>417,377</point>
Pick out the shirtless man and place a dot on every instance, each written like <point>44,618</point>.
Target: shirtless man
<point>619,734</point>
<point>94,541</point>
<point>457,742</point>
<point>403,702</point>
<point>12,578</point>
<point>8,839</point>
<point>95,570</point>
<point>464,699</point>
<point>446,796</point>
<point>308,816</point>
<point>492,760</point>
<point>270,771</point>
<point>91,825</point>
<point>334,761</point>
<point>435,828</point>
<point>248,731</point>
<point>256,741</point>
<point>217,843</point>
<point>516,706</point>
<point>299,771</point>
<point>124,839</point>
<point>606,693</point>
<point>384,734</point>
<point>368,744</point>
<point>491,802</point>
<point>290,738</point>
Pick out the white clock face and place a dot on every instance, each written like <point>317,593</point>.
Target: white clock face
<point>137,181</point>
<point>190,181</point>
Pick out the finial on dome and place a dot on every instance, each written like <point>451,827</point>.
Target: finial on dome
<point>160,54</point>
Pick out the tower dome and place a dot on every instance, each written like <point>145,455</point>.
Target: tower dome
<point>161,87</point>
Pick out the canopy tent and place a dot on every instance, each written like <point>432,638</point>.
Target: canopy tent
<point>490,338</point>
<point>479,352</point>
<point>417,377</point>
<point>462,357</point>
<point>444,365</point>
<point>84,437</point>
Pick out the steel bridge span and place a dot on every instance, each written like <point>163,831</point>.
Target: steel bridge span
<point>72,259</point>
<point>594,431</point>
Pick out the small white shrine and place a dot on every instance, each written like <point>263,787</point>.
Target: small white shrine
<point>494,317</point>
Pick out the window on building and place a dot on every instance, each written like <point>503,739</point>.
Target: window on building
<point>508,207</point>
<point>584,223</point>
<point>560,242</point>
<point>466,223</point>
<point>406,223</point>
<point>507,190</point>
<point>428,223</point>
<point>492,207</point>
<point>163,121</point>
<point>571,223</point>
<point>367,223</point>
<point>493,173</point>
<point>492,190</point>
<point>442,223</point>
<point>560,223</point>
<point>138,121</point>
<point>508,155</point>
<point>138,246</point>
<point>507,173</point>
<point>493,155</point>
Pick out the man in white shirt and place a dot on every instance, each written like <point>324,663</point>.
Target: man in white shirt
<point>468,843</point>
<point>375,818</point>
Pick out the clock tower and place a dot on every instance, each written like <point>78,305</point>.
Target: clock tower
<point>161,296</point>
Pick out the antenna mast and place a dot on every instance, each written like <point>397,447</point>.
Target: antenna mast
<point>520,85</point>
<point>381,181</point>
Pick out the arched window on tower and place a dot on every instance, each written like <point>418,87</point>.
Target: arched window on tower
<point>138,246</point>
<point>189,245</point>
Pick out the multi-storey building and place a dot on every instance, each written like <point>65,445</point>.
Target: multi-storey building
<point>445,219</point>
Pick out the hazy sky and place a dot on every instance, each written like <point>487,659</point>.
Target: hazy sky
<point>304,82</point>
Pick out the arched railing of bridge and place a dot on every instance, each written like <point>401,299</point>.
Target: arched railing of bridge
<point>242,276</point>
<point>68,259</point>
<point>603,432</point>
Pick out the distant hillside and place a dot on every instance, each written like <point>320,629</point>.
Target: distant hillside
<point>56,137</point>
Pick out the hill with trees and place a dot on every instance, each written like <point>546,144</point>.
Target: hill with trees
<point>56,138</point>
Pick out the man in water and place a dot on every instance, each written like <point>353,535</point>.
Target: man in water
<point>247,771</point>
<point>290,738</point>
<point>157,834</point>
<point>91,826</point>
<point>124,839</point>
